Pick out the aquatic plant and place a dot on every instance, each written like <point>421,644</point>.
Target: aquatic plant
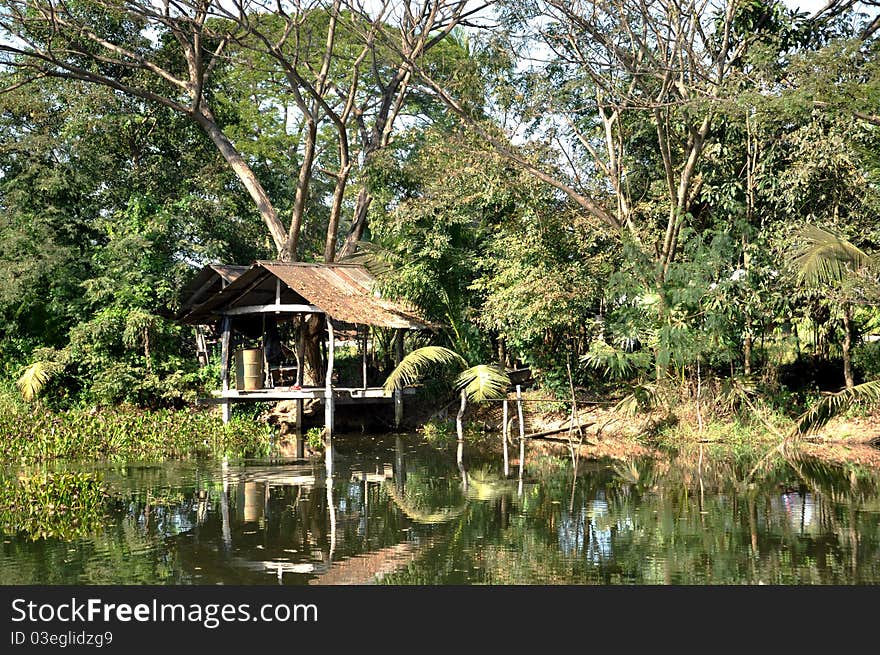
<point>124,434</point>
<point>63,505</point>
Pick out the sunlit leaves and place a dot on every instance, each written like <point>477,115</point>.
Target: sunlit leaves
<point>418,362</point>
<point>826,258</point>
<point>483,381</point>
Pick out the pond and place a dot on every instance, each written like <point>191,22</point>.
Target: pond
<point>395,512</point>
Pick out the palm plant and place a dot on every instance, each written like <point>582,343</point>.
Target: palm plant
<point>826,260</point>
<point>833,404</point>
<point>475,383</point>
<point>48,363</point>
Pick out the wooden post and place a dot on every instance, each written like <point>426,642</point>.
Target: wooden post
<point>300,364</point>
<point>522,436</point>
<point>328,383</point>
<point>504,437</point>
<point>225,339</point>
<point>201,346</point>
<point>331,509</point>
<point>459,428</point>
<point>398,393</point>
<point>364,360</point>
<point>225,524</point>
<point>366,484</point>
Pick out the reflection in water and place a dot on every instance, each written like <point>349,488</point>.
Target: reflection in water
<point>394,512</point>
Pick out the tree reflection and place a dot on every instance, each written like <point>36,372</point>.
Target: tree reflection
<point>408,520</point>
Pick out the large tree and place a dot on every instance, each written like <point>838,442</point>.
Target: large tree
<point>172,54</point>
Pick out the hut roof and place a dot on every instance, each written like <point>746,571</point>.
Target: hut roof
<point>346,292</point>
<point>207,282</point>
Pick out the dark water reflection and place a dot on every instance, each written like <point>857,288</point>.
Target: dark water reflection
<point>395,512</point>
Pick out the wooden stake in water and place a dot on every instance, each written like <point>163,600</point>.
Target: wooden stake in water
<point>329,402</point>
<point>522,435</point>
<point>504,437</point>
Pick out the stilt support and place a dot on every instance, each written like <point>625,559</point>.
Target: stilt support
<point>398,393</point>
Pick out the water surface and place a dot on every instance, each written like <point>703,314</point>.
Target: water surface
<point>395,511</point>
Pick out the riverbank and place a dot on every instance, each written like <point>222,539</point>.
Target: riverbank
<point>601,431</point>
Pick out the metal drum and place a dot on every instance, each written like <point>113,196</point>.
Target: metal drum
<point>249,369</point>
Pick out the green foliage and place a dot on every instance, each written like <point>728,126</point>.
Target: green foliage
<point>826,258</point>
<point>438,433</point>
<point>315,439</point>
<point>483,381</point>
<point>123,434</point>
<point>643,398</point>
<point>416,363</point>
<point>615,362</point>
<point>61,505</point>
<point>834,404</point>
<point>866,360</point>
<point>107,203</point>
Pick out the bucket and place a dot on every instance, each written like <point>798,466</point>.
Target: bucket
<point>249,369</point>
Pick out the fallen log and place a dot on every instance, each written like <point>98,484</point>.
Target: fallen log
<point>547,433</point>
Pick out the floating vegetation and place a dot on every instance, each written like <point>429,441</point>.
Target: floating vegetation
<point>62,505</point>
<point>119,434</point>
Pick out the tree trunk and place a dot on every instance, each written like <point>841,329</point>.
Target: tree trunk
<point>335,212</point>
<point>847,345</point>
<point>313,371</point>
<point>359,223</point>
<point>247,177</point>
<point>302,191</point>
<point>747,350</point>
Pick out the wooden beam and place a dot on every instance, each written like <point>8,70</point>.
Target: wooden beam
<point>274,307</point>
<point>201,346</point>
<point>201,291</point>
<point>253,285</point>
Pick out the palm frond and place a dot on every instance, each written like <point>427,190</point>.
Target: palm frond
<point>34,378</point>
<point>483,381</point>
<point>737,391</point>
<point>415,364</point>
<point>826,257</point>
<point>378,261</point>
<point>643,398</point>
<point>833,405</point>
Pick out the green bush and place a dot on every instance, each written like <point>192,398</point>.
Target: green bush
<point>866,360</point>
<point>438,433</point>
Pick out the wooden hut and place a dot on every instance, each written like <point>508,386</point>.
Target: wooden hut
<point>207,282</point>
<point>266,313</point>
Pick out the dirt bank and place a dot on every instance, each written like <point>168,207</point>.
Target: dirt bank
<point>599,431</point>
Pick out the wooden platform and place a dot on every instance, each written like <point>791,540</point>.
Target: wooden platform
<point>341,395</point>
